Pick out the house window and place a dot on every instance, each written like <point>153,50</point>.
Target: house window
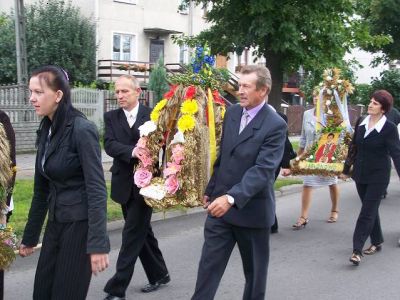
<point>123,46</point>
<point>183,54</point>
<point>127,1</point>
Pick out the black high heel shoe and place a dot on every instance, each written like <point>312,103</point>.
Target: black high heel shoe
<point>300,224</point>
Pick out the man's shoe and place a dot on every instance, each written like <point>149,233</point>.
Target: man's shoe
<point>153,287</point>
<point>111,297</point>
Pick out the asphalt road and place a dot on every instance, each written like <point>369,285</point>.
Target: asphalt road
<point>309,264</point>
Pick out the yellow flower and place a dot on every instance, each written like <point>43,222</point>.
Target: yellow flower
<point>186,122</point>
<point>155,114</point>
<point>160,105</point>
<point>189,107</point>
<point>222,112</point>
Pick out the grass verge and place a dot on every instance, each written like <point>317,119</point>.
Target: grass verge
<point>23,191</point>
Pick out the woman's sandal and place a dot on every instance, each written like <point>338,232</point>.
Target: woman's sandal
<point>300,224</point>
<point>355,258</point>
<point>334,216</point>
<point>373,249</point>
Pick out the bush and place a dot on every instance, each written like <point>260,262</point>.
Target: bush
<point>158,81</point>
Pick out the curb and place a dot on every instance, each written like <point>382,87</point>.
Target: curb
<point>162,216</point>
<point>158,216</point>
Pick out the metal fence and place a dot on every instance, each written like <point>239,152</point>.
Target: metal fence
<point>14,100</point>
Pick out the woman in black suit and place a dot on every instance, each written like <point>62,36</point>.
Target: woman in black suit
<point>70,187</point>
<point>5,213</point>
<point>376,140</point>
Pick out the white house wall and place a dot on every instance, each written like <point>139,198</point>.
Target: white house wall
<point>116,17</point>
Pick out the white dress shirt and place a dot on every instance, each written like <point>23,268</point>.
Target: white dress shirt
<point>378,126</point>
<point>131,115</point>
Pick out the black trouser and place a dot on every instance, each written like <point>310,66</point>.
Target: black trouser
<point>63,270</point>
<point>219,240</point>
<point>368,222</point>
<point>137,241</point>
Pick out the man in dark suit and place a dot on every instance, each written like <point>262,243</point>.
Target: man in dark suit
<point>120,138</point>
<point>240,196</point>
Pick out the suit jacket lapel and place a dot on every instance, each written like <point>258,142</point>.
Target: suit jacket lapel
<point>254,124</point>
<point>248,131</point>
<point>56,140</point>
<point>123,121</point>
<point>232,127</point>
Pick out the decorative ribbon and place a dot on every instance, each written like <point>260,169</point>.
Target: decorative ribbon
<point>211,129</point>
<point>320,114</point>
<point>343,110</point>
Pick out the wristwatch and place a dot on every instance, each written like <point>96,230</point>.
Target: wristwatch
<point>231,200</point>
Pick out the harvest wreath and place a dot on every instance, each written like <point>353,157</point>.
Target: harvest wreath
<point>326,156</point>
<point>181,141</point>
<point>8,239</point>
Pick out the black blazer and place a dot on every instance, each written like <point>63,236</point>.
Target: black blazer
<point>372,161</point>
<point>246,164</point>
<point>71,187</point>
<point>5,120</point>
<point>119,142</point>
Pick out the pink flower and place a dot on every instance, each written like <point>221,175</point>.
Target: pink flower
<point>142,177</point>
<point>142,142</point>
<point>178,153</point>
<point>172,184</point>
<point>146,160</point>
<point>172,169</point>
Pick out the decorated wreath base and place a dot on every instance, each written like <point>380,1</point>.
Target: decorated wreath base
<point>323,169</point>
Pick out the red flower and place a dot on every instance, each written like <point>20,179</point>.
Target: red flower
<point>217,97</point>
<point>171,92</point>
<point>190,92</point>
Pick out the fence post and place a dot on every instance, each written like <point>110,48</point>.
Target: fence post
<point>100,107</point>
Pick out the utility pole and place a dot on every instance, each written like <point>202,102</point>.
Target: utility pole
<point>190,25</point>
<point>20,41</point>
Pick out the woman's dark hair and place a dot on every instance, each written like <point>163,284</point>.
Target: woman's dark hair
<point>384,98</point>
<point>331,134</point>
<point>56,79</point>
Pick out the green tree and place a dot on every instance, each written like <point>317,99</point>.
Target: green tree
<point>361,94</point>
<point>8,67</point>
<point>56,33</point>
<point>382,17</point>
<point>158,80</point>
<point>389,80</point>
<point>314,34</point>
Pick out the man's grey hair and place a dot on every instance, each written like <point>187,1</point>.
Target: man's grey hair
<point>133,79</point>
<point>263,75</point>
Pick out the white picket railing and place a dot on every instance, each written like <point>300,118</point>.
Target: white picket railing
<point>14,100</point>
<point>90,102</point>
